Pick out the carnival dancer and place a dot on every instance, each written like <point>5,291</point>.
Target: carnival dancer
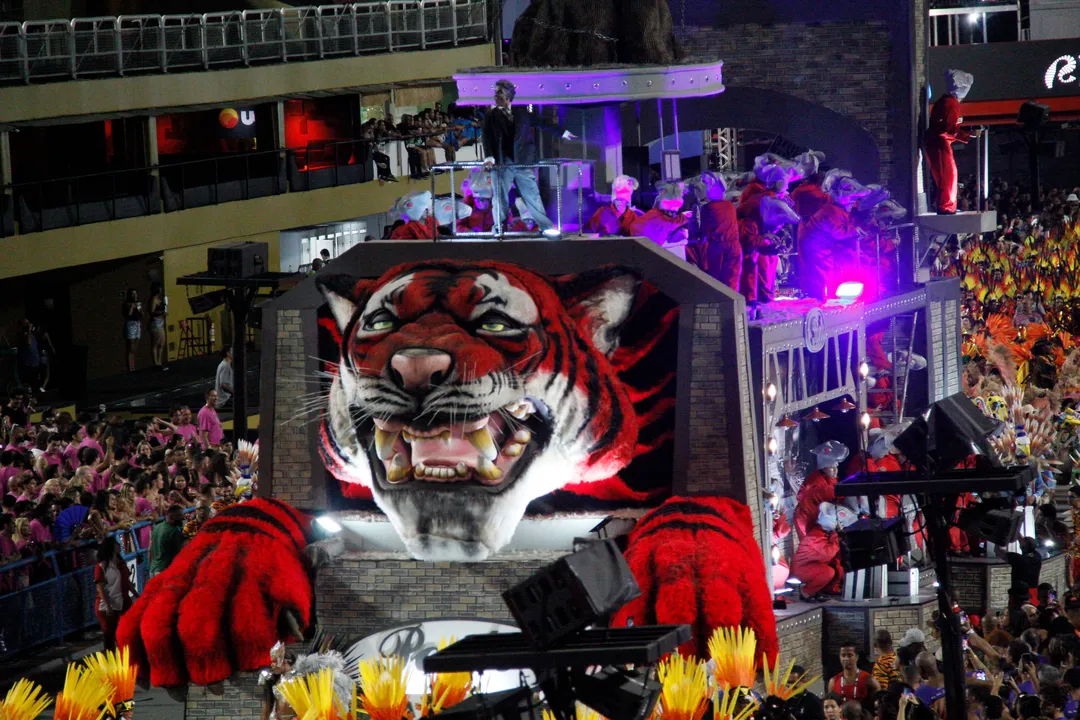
<point>665,225</point>
<point>508,136</point>
<point>828,239</point>
<point>819,486</point>
<point>718,252</point>
<point>415,209</point>
<point>617,217</point>
<point>943,131</point>
<point>817,559</point>
<point>762,211</point>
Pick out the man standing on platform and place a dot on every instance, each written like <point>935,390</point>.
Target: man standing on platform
<point>210,432</point>
<point>508,137</point>
<point>223,380</point>
<point>943,131</point>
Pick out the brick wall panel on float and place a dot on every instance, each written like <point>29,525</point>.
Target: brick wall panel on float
<point>358,597</point>
<point>242,699</point>
<point>800,640</point>
<point>709,468</point>
<point>842,66</point>
<point>292,480</point>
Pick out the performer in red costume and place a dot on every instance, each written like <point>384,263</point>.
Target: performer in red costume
<point>482,219</point>
<point>819,485</point>
<point>718,252</point>
<point>808,197</point>
<point>246,582</point>
<point>943,131</point>
<point>618,216</point>
<point>817,559</point>
<point>415,209</point>
<point>524,221</point>
<point>828,240</point>
<point>448,210</point>
<point>664,224</point>
<point>761,212</point>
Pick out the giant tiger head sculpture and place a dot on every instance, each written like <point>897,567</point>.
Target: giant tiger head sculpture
<point>465,390</point>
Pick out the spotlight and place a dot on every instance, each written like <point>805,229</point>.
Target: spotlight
<point>936,585</point>
<point>973,18</point>
<point>329,524</point>
<point>849,292</point>
<point>794,581</point>
<point>864,369</point>
<point>552,233</point>
<point>864,421</point>
<point>771,445</point>
<point>787,422</point>
<point>816,415</point>
<point>845,405</point>
<point>1049,543</point>
<point>770,392</point>
<point>776,553</point>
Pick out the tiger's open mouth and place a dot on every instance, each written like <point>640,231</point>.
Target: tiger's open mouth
<point>487,454</point>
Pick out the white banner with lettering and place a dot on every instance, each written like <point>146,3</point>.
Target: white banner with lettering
<point>418,640</point>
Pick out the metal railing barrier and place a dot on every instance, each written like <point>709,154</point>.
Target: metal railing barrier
<point>50,50</point>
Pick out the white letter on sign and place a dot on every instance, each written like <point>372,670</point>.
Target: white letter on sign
<point>1063,73</point>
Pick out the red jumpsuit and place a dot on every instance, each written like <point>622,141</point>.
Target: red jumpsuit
<point>816,489</point>
<point>943,131</point>
<point>817,562</point>
<point>758,280</point>
<point>826,247</point>
<point>658,226</point>
<point>479,221</point>
<point>723,257</point>
<point>808,199</point>
<point>416,230</point>
<point>607,220</point>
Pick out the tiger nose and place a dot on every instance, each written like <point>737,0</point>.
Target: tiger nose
<point>419,368</point>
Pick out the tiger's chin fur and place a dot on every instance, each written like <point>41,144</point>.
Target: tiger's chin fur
<point>454,463</point>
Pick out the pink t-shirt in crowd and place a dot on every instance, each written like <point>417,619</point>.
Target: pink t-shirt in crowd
<point>7,547</point>
<point>143,509</point>
<point>53,459</point>
<point>90,442</point>
<point>71,456</point>
<point>208,421</point>
<point>188,432</point>
<point>40,532</point>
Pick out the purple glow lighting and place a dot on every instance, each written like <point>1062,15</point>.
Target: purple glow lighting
<point>849,291</point>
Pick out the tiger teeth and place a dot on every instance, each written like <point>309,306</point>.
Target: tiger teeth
<point>487,470</point>
<point>523,436</point>
<point>462,469</point>
<point>513,450</point>
<point>521,409</point>
<point>445,437</point>
<point>384,443</point>
<point>399,469</point>
<point>481,440</point>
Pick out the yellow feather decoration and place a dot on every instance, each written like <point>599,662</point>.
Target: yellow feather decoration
<point>114,667</point>
<point>85,696</point>
<point>727,708</point>
<point>382,687</point>
<point>312,697</point>
<point>782,685</point>
<point>24,701</point>
<point>733,650</point>
<point>685,688</point>
<point>447,689</point>
<point>581,712</point>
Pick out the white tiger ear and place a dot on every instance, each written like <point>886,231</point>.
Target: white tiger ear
<point>339,291</point>
<point>601,300</point>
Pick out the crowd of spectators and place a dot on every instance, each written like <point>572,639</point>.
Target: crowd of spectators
<point>1020,663</point>
<point>70,484</point>
<point>431,128</point>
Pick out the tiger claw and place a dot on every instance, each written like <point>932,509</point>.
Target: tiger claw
<point>178,693</point>
<point>291,624</point>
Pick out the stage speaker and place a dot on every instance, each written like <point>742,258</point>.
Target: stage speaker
<point>1033,115</point>
<point>954,427</point>
<point>572,593</point>
<point>871,542</point>
<point>238,260</point>
<point>207,301</point>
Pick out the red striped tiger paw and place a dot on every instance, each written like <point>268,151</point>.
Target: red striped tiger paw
<point>698,564</point>
<point>238,587</point>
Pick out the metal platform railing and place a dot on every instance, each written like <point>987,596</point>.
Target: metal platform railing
<point>498,231</point>
<point>50,50</point>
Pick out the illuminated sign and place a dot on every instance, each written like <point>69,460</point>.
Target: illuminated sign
<point>1060,70</point>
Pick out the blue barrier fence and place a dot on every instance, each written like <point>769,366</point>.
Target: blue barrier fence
<point>63,601</point>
